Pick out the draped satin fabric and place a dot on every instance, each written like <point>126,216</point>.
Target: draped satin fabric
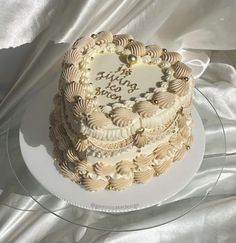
<point>33,38</point>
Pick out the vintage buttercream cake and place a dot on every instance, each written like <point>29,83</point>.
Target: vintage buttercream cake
<point>122,114</point>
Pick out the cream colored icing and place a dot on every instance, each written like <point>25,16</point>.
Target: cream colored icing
<point>178,86</point>
<point>73,176</point>
<point>143,176</point>
<point>73,56</point>
<point>97,120</point>
<point>181,70</point>
<point>119,184</point>
<point>103,37</point>
<point>93,184</point>
<point>136,48</point>
<point>73,90</point>
<point>145,108</point>
<point>123,117</point>
<point>70,74</point>
<point>83,43</point>
<point>171,57</point>
<point>154,50</point>
<point>105,169</point>
<point>163,99</point>
<point>122,40</point>
<point>83,108</point>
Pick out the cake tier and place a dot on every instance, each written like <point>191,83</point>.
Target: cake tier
<point>121,171</point>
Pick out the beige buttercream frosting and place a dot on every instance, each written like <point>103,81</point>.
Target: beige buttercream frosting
<point>93,184</point>
<point>161,150</point>
<point>71,155</point>
<point>136,48</point>
<point>125,167</point>
<point>83,107</point>
<point>73,176</point>
<point>171,57</point>
<point>143,176</point>
<point>180,153</point>
<point>182,121</point>
<point>119,184</point>
<point>60,135</point>
<point>104,37</point>
<point>72,56</point>
<point>122,40</point>
<point>163,99</point>
<point>160,169</point>
<point>81,145</point>
<point>83,43</point>
<point>154,50</point>
<point>145,108</point>
<point>122,116</point>
<point>140,140</point>
<point>97,120</point>
<point>143,159</point>
<point>181,70</point>
<point>73,90</point>
<point>71,74</point>
<point>84,167</point>
<point>58,155</point>
<point>178,86</point>
<point>104,169</point>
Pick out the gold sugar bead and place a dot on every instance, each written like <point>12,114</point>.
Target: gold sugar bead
<point>141,130</point>
<point>186,78</point>
<point>94,36</point>
<point>78,98</point>
<point>131,59</point>
<point>155,102</point>
<point>164,50</point>
<point>187,147</point>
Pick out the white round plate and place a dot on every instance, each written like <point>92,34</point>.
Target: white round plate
<point>36,149</point>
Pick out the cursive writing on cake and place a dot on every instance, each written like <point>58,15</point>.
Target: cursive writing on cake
<point>116,81</point>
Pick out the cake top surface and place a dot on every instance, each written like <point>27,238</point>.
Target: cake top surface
<point>111,72</point>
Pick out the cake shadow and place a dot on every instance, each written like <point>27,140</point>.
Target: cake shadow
<point>34,124</point>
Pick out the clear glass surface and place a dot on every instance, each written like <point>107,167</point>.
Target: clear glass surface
<point>19,180</point>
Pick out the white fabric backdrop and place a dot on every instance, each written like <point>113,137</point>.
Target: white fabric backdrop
<point>33,37</point>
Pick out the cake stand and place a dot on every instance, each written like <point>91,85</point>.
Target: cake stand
<point>165,211</point>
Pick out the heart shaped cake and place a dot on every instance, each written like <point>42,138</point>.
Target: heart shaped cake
<point>122,113</point>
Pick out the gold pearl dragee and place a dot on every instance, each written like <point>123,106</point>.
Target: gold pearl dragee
<point>164,50</point>
<point>155,102</point>
<point>94,36</point>
<point>140,130</point>
<point>186,78</point>
<point>131,40</point>
<point>78,98</point>
<point>187,147</point>
<point>111,115</point>
<point>131,59</point>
